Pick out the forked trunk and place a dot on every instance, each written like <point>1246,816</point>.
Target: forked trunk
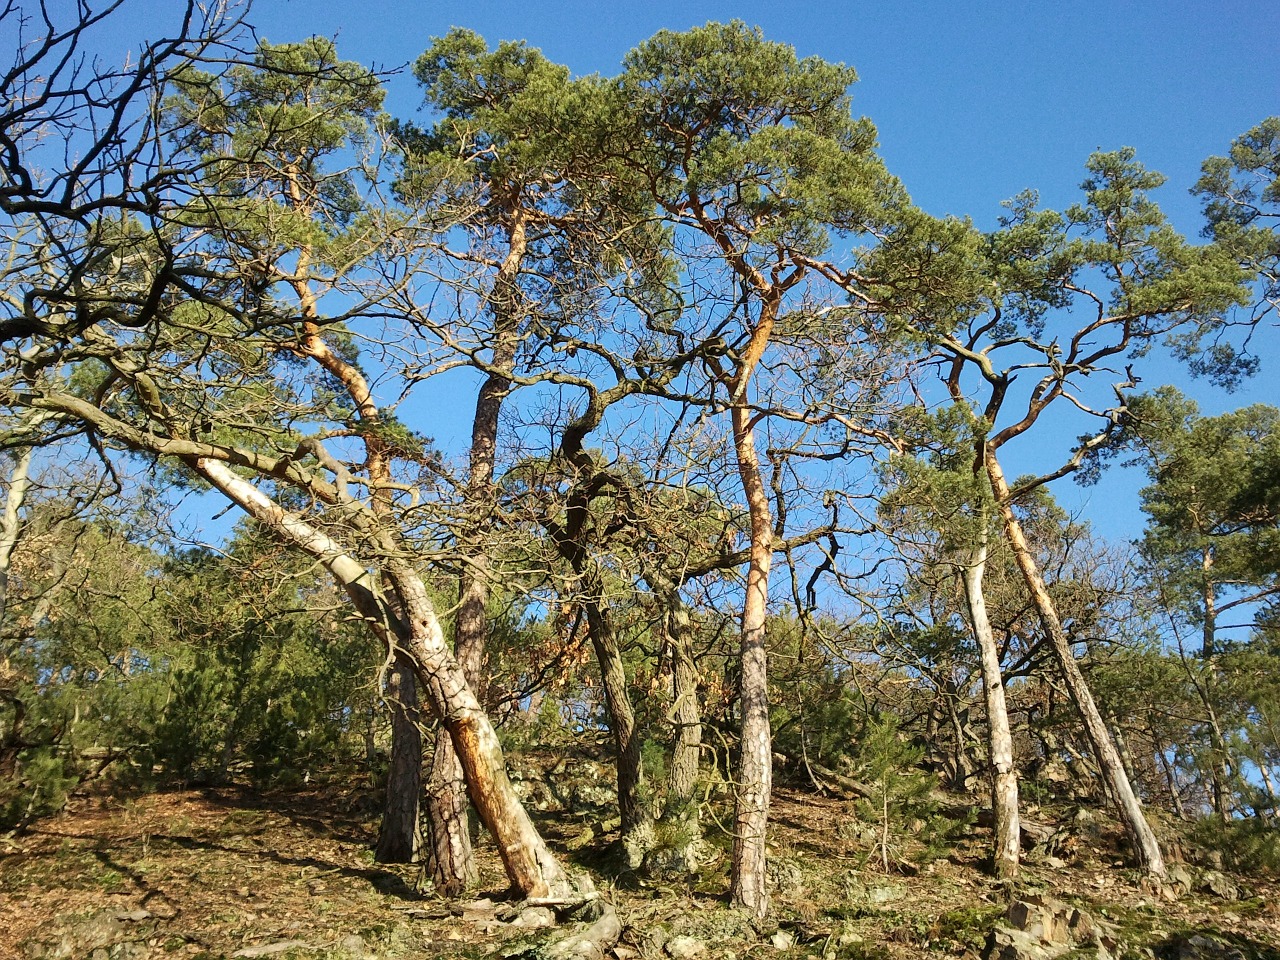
<point>531,867</point>
<point>1004,776</point>
<point>1143,839</point>
<point>400,837</point>
<point>748,887</point>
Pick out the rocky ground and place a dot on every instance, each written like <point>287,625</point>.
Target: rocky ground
<point>228,872</point>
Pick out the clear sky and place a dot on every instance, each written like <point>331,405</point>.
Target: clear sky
<point>975,101</point>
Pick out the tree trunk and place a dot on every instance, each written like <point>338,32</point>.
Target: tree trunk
<point>748,886</point>
<point>10,521</point>
<point>400,836</point>
<point>1004,775</point>
<point>632,809</point>
<point>1175,795</point>
<point>10,528</point>
<point>685,713</point>
<point>451,860</point>
<point>1146,847</point>
<point>530,865</point>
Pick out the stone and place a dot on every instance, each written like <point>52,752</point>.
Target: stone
<point>1006,944</point>
<point>535,918</point>
<point>354,946</point>
<point>1220,885</point>
<point>1043,918</point>
<point>1200,947</point>
<point>1081,927</point>
<point>885,894</point>
<point>783,940</point>
<point>1179,877</point>
<point>685,948</point>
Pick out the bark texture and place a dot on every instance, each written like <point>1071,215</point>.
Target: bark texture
<point>685,713</point>
<point>450,858</point>
<point>1145,845</point>
<point>531,867</point>
<point>1004,776</point>
<point>400,835</point>
<point>632,809</point>
<point>748,889</point>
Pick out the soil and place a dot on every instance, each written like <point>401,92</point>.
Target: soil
<point>225,872</point>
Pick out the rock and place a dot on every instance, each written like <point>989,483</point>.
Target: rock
<point>1082,928</point>
<point>353,945</point>
<point>1200,947</point>
<point>267,949</point>
<point>782,940</point>
<point>685,948</point>
<point>474,911</point>
<point>1220,885</point>
<point>1042,918</point>
<point>785,876</point>
<point>535,918</point>
<point>1042,928</point>
<point>885,894</point>
<point>81,939</point>
<point>536,794</point>
<point>1007,944</point>
<point>593,942</point>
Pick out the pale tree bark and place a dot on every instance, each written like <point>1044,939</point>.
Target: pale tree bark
<point>1143,840</point>
<point>10,531</point>
<point>749,889</point>
<point>533,870</point>
<point>11,522</point>
<point>400,834</point>
<point>1004,775</point>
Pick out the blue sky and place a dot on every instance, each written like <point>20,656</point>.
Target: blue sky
<point>974,101</point>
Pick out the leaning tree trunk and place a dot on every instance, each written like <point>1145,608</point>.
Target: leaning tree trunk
<point>450,859</point>
<point>531,867</point>
<point>1004,776</point>
<point>400,836</point>
<point>748,886</point>
<point>1143,839</point>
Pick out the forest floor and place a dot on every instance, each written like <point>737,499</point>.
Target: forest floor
<point>229,872</point>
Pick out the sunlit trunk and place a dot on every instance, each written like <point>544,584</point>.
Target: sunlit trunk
<point>1004,776</point>
<point>1143,840</point>
<point>754,775</point>
<point>451,860</point>
<point>531,867</point>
